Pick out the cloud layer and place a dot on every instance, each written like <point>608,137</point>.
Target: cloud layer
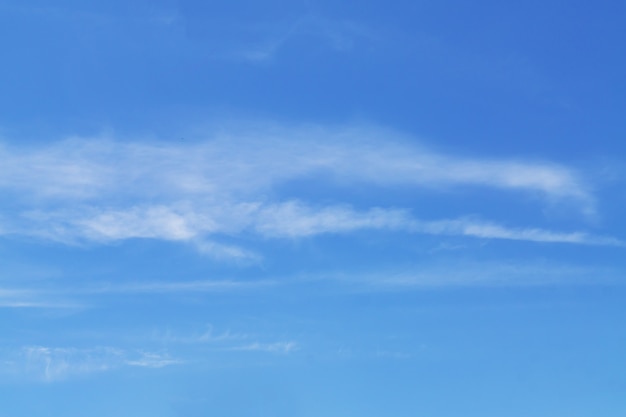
<point>49,364</point>
<point>228,183</point>
<point>252,161</point>
<point>52,364</point>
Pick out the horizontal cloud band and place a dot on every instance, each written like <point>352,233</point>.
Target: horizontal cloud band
<point>83,190</point>
<point>288,220</point>
<point>251,161</point>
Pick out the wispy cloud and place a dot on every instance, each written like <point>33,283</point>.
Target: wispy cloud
<point>49,364</point>
<point>75,296</point>
<point>229,341</point>
<point>277,347</point>
<point>227,184</point>
<point>208,336</point>
<point>254,161</point>
<point>174,287</point>
<point>30,298</point>
<point>12,294</point>
<point>338,35</point>
<point>52,364</point>
<point>487,230</point>
<point>153,360</point>
<point>294,219</point>
<point>288,220</point>
<point>457,272</point>
<point>436,275</point>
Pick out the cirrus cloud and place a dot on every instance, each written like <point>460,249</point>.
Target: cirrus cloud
<point>228,183</point>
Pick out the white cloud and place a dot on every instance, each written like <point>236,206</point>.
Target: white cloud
<point>52,364</point>
<point>153,360</point>
<point>487,230</point>
<point>28,298</point>
<point>175,287</point>
<point>291,219</point>
<point>294,219</point>
<point>277,347</point>
<point>81,297</point>
<point>225,252</point>
<point>477,274</point>
<point>253,161</point>
<point>152,222</point>
<point>49,364</point>
<point>99,190</point>
<point>209,336</point>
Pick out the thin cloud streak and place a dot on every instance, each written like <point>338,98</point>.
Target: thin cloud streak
<point>338,35</point>
<point>429,275</point>
<point>289,220</point>
<point>29,298</point>
<point>209,336</point>
<point>251,162</point>
<point>277,347</point>
<point>488,230</point>
<point>53,364</point>
<point>466,274</point>
<point>62,296</point>
<point>153,360</point>
<point>176,287</point>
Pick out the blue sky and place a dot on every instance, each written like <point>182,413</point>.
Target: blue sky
<point>312,208</point>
